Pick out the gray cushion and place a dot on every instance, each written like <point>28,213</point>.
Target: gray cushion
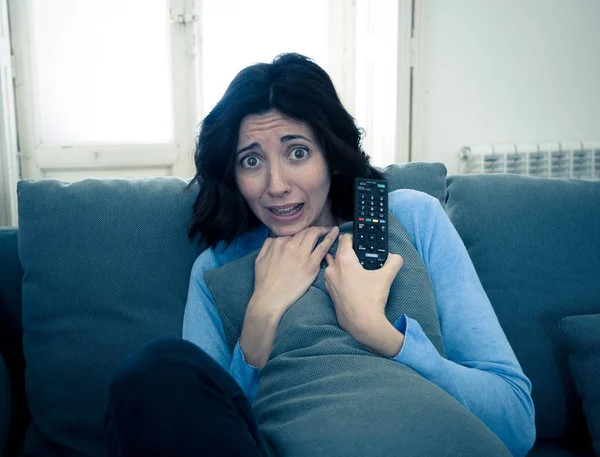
<point>422,176</point>
<point>322,393</point>
<point>535,244</point>
<point>107,266</point>
<point>582,334</point>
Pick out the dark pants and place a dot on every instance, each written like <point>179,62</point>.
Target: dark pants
<point>169,398</point>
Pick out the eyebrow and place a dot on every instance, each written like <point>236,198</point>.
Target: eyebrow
<point>284,139</point>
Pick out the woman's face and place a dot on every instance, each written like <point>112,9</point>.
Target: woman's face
<point>282,173</point>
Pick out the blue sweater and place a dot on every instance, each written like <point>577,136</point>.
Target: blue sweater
<point>481,370</point>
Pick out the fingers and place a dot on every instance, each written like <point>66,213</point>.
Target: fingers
<point>329,259</point>
<point>345,249</point>
<point>345,242</point>
<point>393,264</point>
<point>308,237</point>
<point>264,249</point>
<point>323,247</point>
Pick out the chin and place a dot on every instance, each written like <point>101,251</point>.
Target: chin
<point>285,231</point>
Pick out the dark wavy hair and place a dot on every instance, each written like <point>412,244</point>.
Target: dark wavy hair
<point>298,88</point>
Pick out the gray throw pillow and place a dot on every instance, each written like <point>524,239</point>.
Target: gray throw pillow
<point>582,334</point>
<point>107,266</point>
<point>535,244</point>
<point>422,176</point>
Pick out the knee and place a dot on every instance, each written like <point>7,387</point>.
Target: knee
<point>153,359</point>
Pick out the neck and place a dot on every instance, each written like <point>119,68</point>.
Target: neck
<point>336,221</point>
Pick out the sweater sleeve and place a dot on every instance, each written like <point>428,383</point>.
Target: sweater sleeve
<point>481,371</point>
<point>202,326</point>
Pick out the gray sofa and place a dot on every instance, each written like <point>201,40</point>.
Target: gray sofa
<point>98,267</point>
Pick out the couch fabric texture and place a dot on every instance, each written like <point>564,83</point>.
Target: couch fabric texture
<point>542,265</point>
<point>107,267</point>
<point>582,334</point>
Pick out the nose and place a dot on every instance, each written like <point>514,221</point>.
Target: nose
<point>278,184</point>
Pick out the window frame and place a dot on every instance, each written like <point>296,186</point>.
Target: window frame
<point>38,159</point>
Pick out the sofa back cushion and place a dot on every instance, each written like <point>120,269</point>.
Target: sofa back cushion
<point>107,265</point>
<point>535,244</point>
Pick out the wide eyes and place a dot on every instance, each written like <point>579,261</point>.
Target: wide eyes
<point>296,154</point>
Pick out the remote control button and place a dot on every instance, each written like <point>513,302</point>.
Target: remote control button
<point>381,227</point>
<point>380,215</point>
<point>372,248</point>
<point>381,251</point>
<point>380,264</point>
<point>371,228</point>
<point>361,237</point>
<point>371,237</point>
<point>361,247</point>
<point>380,239</point>
<point>360,227</point>
<point>382,191</point>
<point>362,213</point>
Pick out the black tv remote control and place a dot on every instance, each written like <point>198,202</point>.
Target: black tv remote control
<point>370,222</point>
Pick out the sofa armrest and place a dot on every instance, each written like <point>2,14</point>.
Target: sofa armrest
<point>5,404</point>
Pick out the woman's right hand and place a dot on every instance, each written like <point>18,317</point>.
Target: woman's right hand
<point>286,266</point>
<point>283,271</point>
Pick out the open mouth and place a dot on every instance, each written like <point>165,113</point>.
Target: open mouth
<point>288,211</point>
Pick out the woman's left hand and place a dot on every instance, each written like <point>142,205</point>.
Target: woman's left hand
<point>360,297</point>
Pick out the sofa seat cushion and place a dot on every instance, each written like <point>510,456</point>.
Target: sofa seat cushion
<point>582,335</point>
<point>535,244</point>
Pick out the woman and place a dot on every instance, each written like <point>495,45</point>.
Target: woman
<point>276,160</point>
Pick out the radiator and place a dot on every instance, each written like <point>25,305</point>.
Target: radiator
<point>580,160</point>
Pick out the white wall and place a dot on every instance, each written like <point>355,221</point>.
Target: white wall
<point>510,71</point>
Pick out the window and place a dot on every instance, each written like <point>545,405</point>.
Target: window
<point>118,87</point>
<point>102,80</point>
